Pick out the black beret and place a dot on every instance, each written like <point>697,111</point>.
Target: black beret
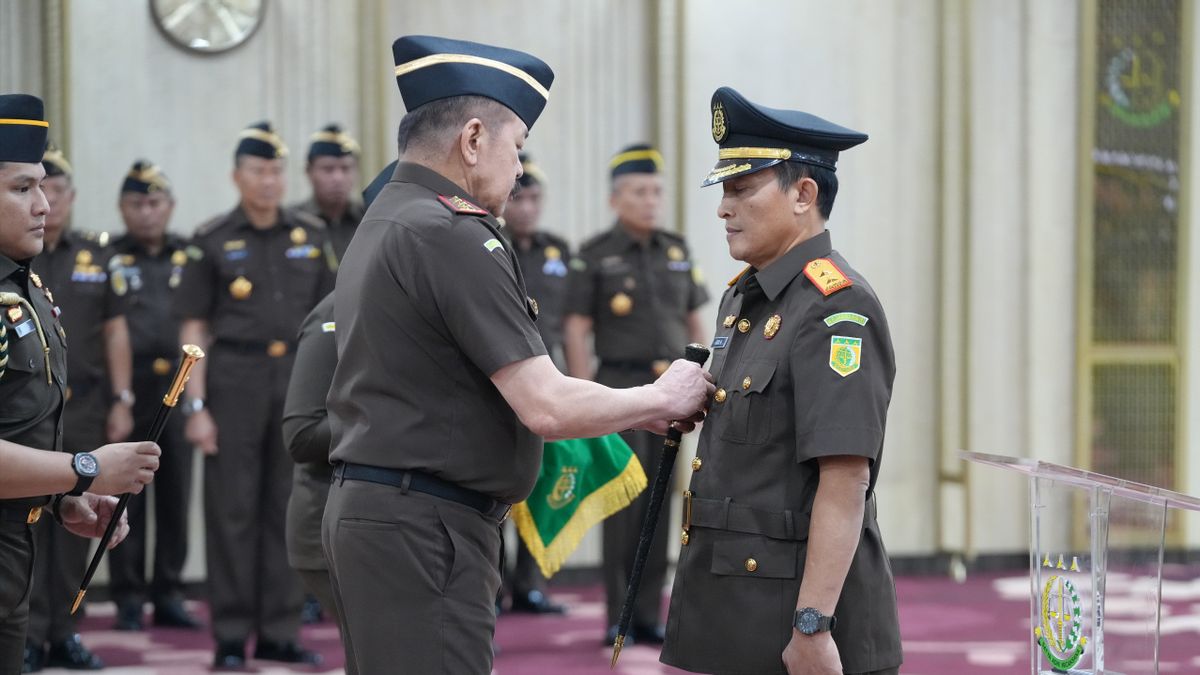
<point>55,162</point>
<point>332,142</point>
<point>637,158</point>
<point>431,68</point>
<point>753,137</point>
<point>23,128</point>
<point>532,173</point>
<point>260,140</point>
<point>145,177</point>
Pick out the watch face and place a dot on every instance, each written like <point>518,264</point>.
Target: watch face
<point>207,25</point>
<point>808,621</point>
<point>86,465</point>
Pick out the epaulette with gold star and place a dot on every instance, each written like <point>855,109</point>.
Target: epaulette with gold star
<point>826,276</point>
<point>461,206</point>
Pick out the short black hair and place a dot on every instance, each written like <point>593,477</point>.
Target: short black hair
<point>787,173</point>
<point>444,116</point>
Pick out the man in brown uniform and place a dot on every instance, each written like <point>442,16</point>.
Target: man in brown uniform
<point>443,388</point>
<point>252,276</point>
<point>636,290</point>
<point>543,258</point>
<point>783,569</point>
<point>150,263</point>
<point>332,170</point>
<point>33,373</point>
<point>99,405</point>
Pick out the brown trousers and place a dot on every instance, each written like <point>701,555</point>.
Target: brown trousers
<point>251,587</point>
<point>16,573</point>
<point>414,577</point>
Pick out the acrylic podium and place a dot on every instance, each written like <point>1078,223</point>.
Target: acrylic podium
<point>1095,553</point>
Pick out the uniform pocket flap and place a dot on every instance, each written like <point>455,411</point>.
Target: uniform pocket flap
<point>755,377</point>
<point>755,556</point>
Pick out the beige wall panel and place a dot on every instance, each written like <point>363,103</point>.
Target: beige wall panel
<point>20,47</point>
<point>871,66</point>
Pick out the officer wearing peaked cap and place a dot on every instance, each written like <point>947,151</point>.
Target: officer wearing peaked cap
<point>33,380</point>
<point>150,262</point>
<point>99,406</point>
<point>783,568</point>
<point>443,388</point>
<point>332,170</point>
<point>251,277</point>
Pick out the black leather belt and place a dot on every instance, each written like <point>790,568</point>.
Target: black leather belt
<point>28,516</point>
<point>272,348</point>
<point>423,482</point>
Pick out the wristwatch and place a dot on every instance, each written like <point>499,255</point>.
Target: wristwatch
<point>86,468</point>
<point>192,405</point>
<point>810,621</point>
<point>124,397</point>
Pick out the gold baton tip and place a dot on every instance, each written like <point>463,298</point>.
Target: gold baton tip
<point>191,354</point>
<point>78,600</point>
<point>620,642</point>
<point>193,351</point>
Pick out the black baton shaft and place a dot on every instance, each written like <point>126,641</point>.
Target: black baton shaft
<point>698,354</point>
<point>191,354</point>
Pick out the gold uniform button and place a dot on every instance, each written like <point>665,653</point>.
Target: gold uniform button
<point>746,383</point>
<point>697,463</point>
<point>744,326</point>
<point>751,565</point>
<point>719,397</point>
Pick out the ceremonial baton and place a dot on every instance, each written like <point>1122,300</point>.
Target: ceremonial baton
<point>698,354</point>
<point>191,354</point>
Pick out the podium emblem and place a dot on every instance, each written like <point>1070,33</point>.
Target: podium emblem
<point>1060,633</point>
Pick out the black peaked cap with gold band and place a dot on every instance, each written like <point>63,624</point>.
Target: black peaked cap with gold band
<point>531,173</point>
<point>55,162</point>
<point>637,158</point>
<point>23,128</point>
<point>753,137</point>
<point>260,140</point>
<point>145,177</point>
<point>332,141</point>
<point>431,68</point>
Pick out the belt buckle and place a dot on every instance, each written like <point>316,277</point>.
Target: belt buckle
<point>277,348</point>
<point>35,514</point>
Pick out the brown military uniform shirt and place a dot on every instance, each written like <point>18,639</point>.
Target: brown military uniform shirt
<point>638,295</point>
<point>149,282</point>
<point>544,266</point>
<point>800,375</point>
<point>77,270</point>
<point>31,399</point>
<point>255,286</point>
<point>431,303</point>
<point>340,231</point>
<point>306,435</point>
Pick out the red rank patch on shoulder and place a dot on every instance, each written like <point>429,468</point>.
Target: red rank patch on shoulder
<point>462,206</point>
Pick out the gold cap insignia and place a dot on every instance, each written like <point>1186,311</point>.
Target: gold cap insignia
<point>240,288</point>
<point>298,235</point>
<point>621,304</point>
<point>772,326</point>
<point>719,129</point>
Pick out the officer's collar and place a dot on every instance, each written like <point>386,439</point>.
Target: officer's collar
<point>242,221</point>
<point>411,172</point>
<point>627,240</point>
<point>776,276</point>
<point>8,266</point>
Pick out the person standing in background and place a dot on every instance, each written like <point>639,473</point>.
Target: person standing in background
<point>151,262</point>
<point>99,404</point>
<point>332,169</point>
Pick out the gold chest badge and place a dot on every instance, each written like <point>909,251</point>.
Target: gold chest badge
<point>298,235</point>
<point>772,326</point>
<point>621,304</point>
<point>552,253</point>
<point>675,254</point>
<point>179,258</point>
<point>241,288</point>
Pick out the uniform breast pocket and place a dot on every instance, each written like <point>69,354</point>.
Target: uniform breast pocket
<point>24,392</point>
<point>303,275</point>
<point>748,416</point>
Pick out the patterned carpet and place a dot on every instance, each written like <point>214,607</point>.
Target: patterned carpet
<point>980,627</point>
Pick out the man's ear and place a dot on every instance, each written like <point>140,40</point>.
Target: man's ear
<point>806,191</point>
<point>469,141</point>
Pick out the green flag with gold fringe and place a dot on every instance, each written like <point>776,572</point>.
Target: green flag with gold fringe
<point>582,482</point>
